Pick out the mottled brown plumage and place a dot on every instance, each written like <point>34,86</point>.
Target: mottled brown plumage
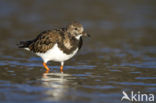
<point>64,37</point>
<point>45,41</point>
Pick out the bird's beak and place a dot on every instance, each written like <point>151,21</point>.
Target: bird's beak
<point>85,34</point>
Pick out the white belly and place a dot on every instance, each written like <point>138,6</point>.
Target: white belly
<point>55,54</point>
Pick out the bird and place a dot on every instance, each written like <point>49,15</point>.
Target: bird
<point>58,45</point>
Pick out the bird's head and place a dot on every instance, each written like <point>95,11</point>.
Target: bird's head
<point>76,30</point>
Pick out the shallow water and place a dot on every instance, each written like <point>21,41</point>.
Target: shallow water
<point>119,56</point>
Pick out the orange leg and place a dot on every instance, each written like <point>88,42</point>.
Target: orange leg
<point>61,69</point>
<point>46,67</point>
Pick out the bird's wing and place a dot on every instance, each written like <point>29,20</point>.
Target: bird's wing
<point>45,41</point>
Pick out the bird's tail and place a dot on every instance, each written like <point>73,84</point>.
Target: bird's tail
<point>24,44</point>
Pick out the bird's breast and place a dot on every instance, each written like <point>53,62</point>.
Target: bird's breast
<point>56,54</point>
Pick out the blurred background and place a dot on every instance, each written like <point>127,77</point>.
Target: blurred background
<point>120,55</point>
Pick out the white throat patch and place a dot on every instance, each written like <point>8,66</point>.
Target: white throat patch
<point>78,37</point>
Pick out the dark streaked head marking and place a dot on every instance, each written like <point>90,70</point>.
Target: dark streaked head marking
<point>75,29</point>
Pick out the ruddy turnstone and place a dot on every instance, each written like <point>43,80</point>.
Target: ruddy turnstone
<point>57,45</point>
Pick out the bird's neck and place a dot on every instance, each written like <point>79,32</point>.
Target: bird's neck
<point>78,37</point>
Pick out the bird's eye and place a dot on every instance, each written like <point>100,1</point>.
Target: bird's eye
<point>75,28</point>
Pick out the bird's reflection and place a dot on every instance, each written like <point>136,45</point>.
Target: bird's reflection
<point>58,84</point>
